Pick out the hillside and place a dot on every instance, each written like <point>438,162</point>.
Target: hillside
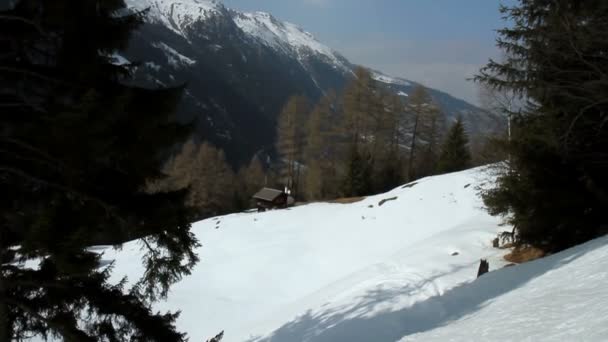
<point>401,271</point>
<point>324,272</point>
<point>558,298</point>
<point>240,68</point>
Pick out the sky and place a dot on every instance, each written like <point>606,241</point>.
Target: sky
<point>439,43</point>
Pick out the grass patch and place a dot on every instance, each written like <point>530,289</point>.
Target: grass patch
<point>524,254</point>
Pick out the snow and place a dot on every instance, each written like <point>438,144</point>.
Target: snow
<point>118,59</point>
<point>389,80</point>
<point>174,58</point>
<point>153,66</point>
<point>177,15</point>
<point>307,272</point>
<point>401,93</point>
<point>562,297</point>
<point>399,266</point>
<point>283,35</point>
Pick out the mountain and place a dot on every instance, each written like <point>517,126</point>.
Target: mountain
<point>240,68</point>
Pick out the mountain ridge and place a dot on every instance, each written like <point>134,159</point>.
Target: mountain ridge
<point>241,67</point>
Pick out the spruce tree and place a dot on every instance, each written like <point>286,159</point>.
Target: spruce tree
<point>77,148</point>
<point>455,155</point>
<point>554,190</point>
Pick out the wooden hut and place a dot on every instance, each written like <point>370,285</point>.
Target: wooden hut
<point>270,199</point>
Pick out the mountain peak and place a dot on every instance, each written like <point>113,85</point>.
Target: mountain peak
<point>284,36</point>
<point>177,15</point>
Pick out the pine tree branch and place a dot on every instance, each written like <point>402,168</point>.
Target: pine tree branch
<point>110,211</point>
<point>24,21</point>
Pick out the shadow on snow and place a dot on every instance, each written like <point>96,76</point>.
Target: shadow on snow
<point>358,323</point>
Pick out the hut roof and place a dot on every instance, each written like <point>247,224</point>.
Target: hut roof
<point>267,194</point>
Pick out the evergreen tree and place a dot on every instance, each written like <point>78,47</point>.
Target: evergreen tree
<point>555,190</point>
<point>77,148</point>
<point>455,155</point>
<point>358,177</point>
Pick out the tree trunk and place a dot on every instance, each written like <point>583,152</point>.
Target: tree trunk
<point>484,267</point>
<point>412,147</point>
<point>5,324</point>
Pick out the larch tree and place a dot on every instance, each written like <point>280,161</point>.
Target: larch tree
<point>322,149</point>
<point>211,190</point>
<point>424,131</point>
<point>77,148</point>
<point>251,177</point>
<point>362,120</point>
<point>290,137</point>
<point>389,155</point>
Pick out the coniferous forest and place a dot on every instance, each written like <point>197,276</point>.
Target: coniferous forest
<point>76,158</point>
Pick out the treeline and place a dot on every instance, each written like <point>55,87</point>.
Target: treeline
<point>363,141</point>
<point>366,140</point>
<point>213,188</point>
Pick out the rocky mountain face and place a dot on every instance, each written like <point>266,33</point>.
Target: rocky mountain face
<point>240,68</point>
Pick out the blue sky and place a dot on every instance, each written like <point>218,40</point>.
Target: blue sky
<point>439,43</point>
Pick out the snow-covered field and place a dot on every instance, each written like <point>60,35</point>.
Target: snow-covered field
<point>404,270</point>
<point>326,272</point>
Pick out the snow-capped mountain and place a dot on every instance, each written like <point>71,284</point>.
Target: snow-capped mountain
<point>287,37</point>
<point>240,68</point>
<point>177,15</point>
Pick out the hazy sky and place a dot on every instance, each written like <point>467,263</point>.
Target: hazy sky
<point>439,43</point>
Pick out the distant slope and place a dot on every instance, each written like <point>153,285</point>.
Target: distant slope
<point>240,69</point>
<point>331,272</point>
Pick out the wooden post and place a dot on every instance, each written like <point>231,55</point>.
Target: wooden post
<point>484,267</point>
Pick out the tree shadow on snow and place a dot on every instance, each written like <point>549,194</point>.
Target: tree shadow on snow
<point>363,322</point>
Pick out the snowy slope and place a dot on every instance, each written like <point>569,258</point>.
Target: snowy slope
<point>401,271</point>
<point>563,297</point>
<point>311,273</point>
